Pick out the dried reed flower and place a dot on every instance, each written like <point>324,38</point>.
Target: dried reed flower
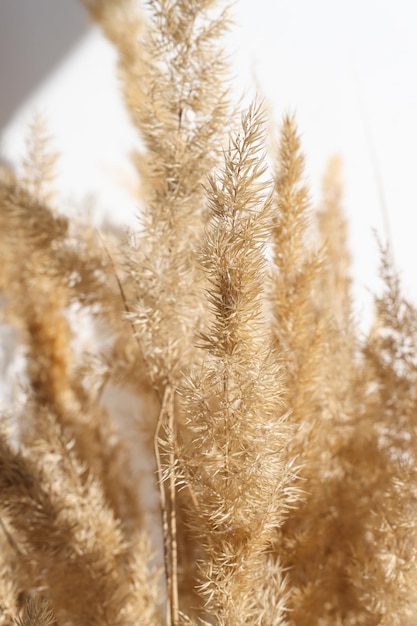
<point>223,366</point>
<point>36,613</point>
<point>233,404</point>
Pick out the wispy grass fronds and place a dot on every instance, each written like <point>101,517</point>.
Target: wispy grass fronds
<point>173,80</point>
<point>10,583</point>
<point>319,367</point>
<point>234,407</point>
<point>36,613</point>
<point>24,215</point>
<point>40,162</point>
<point>172,74</point>
<point>391,367</point>
<point>58,516</point>
<point>199,385</point>
<point>295,261</point>
<point>334,291</point>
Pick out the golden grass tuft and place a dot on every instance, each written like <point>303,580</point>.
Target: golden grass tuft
<point>225,448</point>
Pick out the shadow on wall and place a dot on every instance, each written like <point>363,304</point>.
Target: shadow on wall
<point>34,37</point>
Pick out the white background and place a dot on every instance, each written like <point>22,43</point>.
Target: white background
<point>346,69</point>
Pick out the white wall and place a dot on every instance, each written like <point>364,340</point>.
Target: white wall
<point>347,69</point>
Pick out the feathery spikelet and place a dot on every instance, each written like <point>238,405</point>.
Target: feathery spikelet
<point>40,162</point>
<point>172,75</point>
<point>234,408</point>
<point>10,577</point>
<point>295,262</point>
<point>319,378</point>
<point>227,321</point>
<point>69,537</point>
<point>36,613</point>
<point>390,414</point>
<point>334,289</point>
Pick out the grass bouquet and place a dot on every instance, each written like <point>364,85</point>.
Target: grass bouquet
<point>226,448</point>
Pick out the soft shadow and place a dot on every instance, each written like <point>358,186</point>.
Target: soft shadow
<point>34,37</point>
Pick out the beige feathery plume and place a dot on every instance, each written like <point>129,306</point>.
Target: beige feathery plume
<point>172,69</point>
<point>23,215</point>
<point>295,264</point>
<point>235,461</point>
<point>319,382</point>
<point>172,76</point>
<point>10,576</point>
<point>390,375</point>
<point>66,253</point>
<point>61,267</point>
<point>36,612</point>
<point>239,358</point>
<point>334,290</point>
<point>40,162</point>
<point>299,331</point>
<point>59,518</point>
